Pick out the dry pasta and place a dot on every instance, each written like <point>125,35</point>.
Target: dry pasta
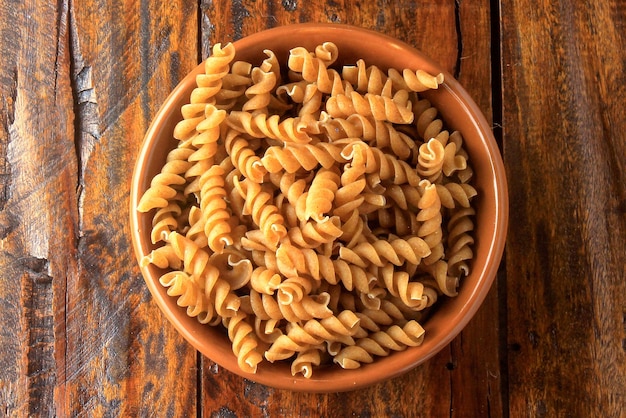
<point>315,211</point>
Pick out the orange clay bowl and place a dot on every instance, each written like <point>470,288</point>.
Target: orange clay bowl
<point>458,111</point>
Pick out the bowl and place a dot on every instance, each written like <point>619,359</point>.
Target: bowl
<point>459,113</point>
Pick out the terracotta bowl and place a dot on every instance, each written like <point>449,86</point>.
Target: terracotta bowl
<point>458,111</point>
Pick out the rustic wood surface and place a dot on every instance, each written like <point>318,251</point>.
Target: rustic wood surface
<point>81,81</point>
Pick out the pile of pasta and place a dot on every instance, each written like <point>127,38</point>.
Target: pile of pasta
<point>315,211</point>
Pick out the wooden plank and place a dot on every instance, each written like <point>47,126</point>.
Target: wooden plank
<point>464,378</point>
<point>123,358</point>
<point>429,25</point>
<point>117,356</point>
<point>564,141</point>
<point>37,208</point>
<point>476,352</point>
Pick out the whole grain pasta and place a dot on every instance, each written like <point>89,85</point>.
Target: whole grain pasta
<point>314,210</point>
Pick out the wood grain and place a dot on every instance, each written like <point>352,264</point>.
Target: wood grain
<point>38,207</point>
<point>80,332</point>
<point>564,124</point>
<point>476,353</point>
<point>129,360</point>
<point>81,336</point>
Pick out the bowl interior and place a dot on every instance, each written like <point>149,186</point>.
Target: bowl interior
<point>458,111</point>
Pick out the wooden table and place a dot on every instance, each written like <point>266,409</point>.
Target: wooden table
<point>80,334</point>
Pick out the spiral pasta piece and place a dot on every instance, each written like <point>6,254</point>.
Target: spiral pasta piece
<point>353,229</point>
<point>394,110</point>
<point>208,133</point>
<point>430,294</point>
<point>352,356</point>
<point>234,85</point>
<point>267,306</point>
<point>396,220</point>
<point>459,250</point>
<point>205,143</point>
<point>349,197</point>
<point>304,260</point>
<point>404,196</point>
<point>292,261</point>
<point>298,91</point>
<point>244,342</point>
<point>294,157</point>
<point>308,96</point>
<point>427,122</point>
<point>163,257</point>
<point>163,186</point>
<point>264,280</point>
<point>327,53</point>
<point>315,234</point>
<point>389,167</point>
<point>296,261</point>
<point>243,157</point>
<point>349,275</point>
<point>195,232</point>
<point>196,264</point>
<point>189,295</point>
<point>374,320</point>
<point>376,133</point>
<point>338,128</point>
<point>208,85</point>
<point>364,79</point>
<point>192,110</point>
<point>259,94</point>
<point>464,174</point>
<point>456,194</point>
<point>430,160</point>
<point>265,215</point>
<point>385,136</point>
<point>311,68</point>
<point>319,200</point>
<point>398,283</point>
<point>215,218</point>
<point>290,186</point>
<point>452,161</point>
<point>289,130</point>
<point>285,347</point>
<point>381,343</point>
<point>267,331</point>
<point>234,266</point>
<point>430,217</point>
<point>340,327</point>
<point>164,221</point>
<point>293,289</point>
<point>314,333</point>
<point>417,81</point>
<point>216,67</point>
<point>271,64</point>
<point>396,251</point>
<point>305,361</point>
<point>446,283</point>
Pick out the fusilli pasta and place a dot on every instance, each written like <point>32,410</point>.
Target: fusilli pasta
<point>315,211</point>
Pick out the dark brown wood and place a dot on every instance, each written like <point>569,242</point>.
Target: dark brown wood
<point>80,83</point>
<point>38,205</point>
<point>125,59</point>
<point>564,146</point>
<point>476,353</point>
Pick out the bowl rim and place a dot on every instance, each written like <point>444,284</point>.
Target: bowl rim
<point>391,366</point>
